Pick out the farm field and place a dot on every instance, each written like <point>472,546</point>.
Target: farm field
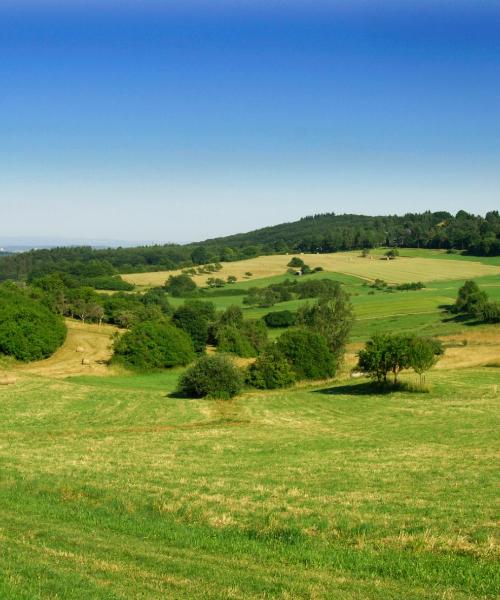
<point>112,489</point>
<point>406,268</point>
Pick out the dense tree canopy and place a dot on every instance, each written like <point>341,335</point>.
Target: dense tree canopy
<point>319,233</point>
<point>28,329</point>
<point>154,345</point>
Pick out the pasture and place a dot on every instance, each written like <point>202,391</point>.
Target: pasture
<point>112,489</point>
<point>414,267</point>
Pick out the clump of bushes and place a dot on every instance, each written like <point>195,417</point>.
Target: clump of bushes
<point>473,302</point>
<point>271,370</point>
<point>180,285</point>
<point>28,329</point>
<point>280,318</point>
<point>110,282</point>
<point>212,376</point>
<point>195,317</point>
<point>232,340</point>
<point>233,334</point>
<point>380,284</point>
<point>154,345</point>
<point>307,353</point>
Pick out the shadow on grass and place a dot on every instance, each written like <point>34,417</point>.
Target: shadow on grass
<point>374,388</point>
<point>367,388</point>
<point>468,320</point>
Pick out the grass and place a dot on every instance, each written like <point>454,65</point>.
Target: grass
<point>111,489</point>
<point>413,265</point>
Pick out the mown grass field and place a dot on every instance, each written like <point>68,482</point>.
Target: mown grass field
<point>416,265</point>
<point>112,489</point>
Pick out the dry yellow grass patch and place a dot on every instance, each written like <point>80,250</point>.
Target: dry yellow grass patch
<point>94,346</point>
<point>473,349</point>
<point>401,270</point>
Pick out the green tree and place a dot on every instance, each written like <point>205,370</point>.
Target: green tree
<point>332,317</point>
<point>200,256</point>
<point>280,318</point>
<point>180,285</point>
<point>308,354</point>
<point>194,317</point>
<point>384,353</point>
<point>296,263</point>
<point>470,299</point>
<point>212,376</point>
<point>271,370</point>
<point>153,345</point>
<point>28,329</point>
<point>422,355</point>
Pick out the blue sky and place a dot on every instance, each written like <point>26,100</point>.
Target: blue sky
<point>177,121</point>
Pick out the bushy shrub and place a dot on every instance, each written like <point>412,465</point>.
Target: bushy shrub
<point>154,345</point>
<point>256,333</point>
<point>212,376</point>
<point>308,354</point>
<point>296,262</point>
<point>233,340</point>
<point>180,285</point>
<point>271,370</point>
<point>280,318</point>
<point>28,329</point>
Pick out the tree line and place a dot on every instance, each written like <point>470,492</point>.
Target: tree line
<point>323,233</point>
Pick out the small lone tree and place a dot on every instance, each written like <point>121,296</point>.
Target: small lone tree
<point>422,356</point>
<point>392,253</point>
<point>470,299</point>
<point>384,354</point>
<point>296,263</point>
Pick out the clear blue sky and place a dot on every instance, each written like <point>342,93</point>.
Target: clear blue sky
<point>181,120</point>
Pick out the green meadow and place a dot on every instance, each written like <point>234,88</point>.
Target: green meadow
<point>113,489</point>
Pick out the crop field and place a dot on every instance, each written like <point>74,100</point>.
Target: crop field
<point>112,489</point>
<point>404,269</point>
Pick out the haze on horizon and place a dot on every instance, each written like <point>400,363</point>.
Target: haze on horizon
<point>182,121</point>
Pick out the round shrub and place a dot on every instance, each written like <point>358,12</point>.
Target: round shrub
<point>28,330</point>
<point>280,318</point>
<point>154,345</point>
<point>212,376</point>
<point>308,354</point>
<point>270,371</point>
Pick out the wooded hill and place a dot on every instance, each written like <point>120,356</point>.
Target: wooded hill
<point>319,233</point>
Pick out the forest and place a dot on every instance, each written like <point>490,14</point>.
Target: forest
<point>323,233</point>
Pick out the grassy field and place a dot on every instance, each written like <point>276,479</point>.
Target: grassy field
<point>110,489</point>
<point>413,266</point>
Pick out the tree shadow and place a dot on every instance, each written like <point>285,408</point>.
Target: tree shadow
<point>367,388</point>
